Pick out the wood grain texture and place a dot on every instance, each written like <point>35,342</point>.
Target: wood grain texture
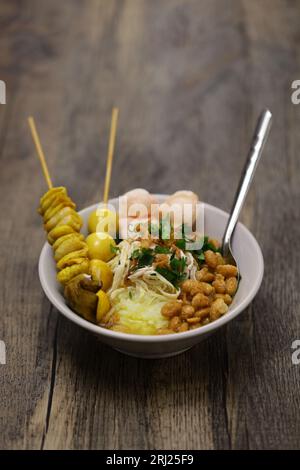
<point>190,78</point>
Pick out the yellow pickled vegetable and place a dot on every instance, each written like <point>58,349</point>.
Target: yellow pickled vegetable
<point>103,220</point>
<point>81,295</point>
<point>70,272</point>
<point>61,215</point>
<point>71,258</point>
<point>68,246</point>
<point>48,198</point>
<point>101,272</point>
<point>57,205</point>
<point>103,306</point>
<point>73,220</point>
<point>101,246</point>
<point>81,277</point>
<point>58,232</point>
<point>63,238</point>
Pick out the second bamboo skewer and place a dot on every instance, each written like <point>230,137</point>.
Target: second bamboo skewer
<point>111,147</point>
<point>39,150</point>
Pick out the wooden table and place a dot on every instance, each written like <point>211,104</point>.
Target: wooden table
<point>190,78</point>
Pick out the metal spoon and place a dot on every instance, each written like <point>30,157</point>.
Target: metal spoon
<point>258,141</point>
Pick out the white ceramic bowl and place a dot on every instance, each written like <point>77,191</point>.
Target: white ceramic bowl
<point>250,261</point>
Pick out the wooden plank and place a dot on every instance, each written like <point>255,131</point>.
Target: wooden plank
<point>262,382</point>
<point>189,78</point>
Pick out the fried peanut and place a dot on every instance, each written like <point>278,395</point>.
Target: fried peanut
<point>219,284</point>
<point>193,320</point>
<point>226,297</point>
<point>205,288</point>
<point>174,323</point>
<point>171,309</point>
<point>200,300</point>
<point>231,285</point>
<point>227,270</point>
<point>202,313</point>
<point>192,287</point>
<point>220,258</point>
<point>187,311</point>
<point>189,285</point>
<point>208,277</point>
<point>205,298</point>
<point>218,308</point>
<point>204,275</point>
<point>183,327</point>
<point>211,259</point>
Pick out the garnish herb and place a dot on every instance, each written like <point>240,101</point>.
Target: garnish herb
<point>114,249</point>
<point>175,274</point>
<point>169,275</point>
<point>198,254</point>
<point>180,244</point>
<point>144,257</point>
<point>161,249</point>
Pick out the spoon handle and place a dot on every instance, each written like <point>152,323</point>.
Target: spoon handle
<point>258,141</point>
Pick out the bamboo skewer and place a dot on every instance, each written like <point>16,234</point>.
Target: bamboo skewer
<point>111,147</point>
<point>110,154</point>
<point>39,151</point>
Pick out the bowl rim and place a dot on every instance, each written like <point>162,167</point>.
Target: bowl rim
<point>100,331</point>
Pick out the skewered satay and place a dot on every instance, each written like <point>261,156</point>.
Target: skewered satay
<point>63,224</point>
<point>80,276</point>
<point>102,219</point>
